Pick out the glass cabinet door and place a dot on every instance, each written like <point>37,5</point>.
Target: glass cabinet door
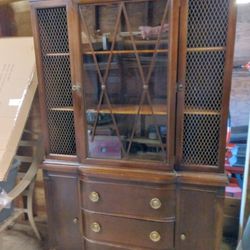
<point>125,78</point>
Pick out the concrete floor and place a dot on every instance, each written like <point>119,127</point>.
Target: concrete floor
<point>21,237</point>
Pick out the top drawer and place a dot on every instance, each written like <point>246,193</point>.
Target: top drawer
<point>141,201</point>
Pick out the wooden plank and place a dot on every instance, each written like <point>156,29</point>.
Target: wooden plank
<point>123,109</point>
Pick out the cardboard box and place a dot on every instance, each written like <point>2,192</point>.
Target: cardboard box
<point>17,88</point>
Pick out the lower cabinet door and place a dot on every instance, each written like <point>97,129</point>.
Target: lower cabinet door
<point>199,219</point>
<point>63,211</point>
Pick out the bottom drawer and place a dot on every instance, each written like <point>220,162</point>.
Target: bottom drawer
<point>90,245</point>
<point>130,232</point>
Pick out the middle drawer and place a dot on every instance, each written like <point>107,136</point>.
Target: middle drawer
<point>140,201</point>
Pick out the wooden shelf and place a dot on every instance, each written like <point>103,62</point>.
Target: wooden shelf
<point>147,141</point>
<point>159,109</point>
<point>145,156</point>
<point>148,51</point>
<point>115,52</point>
<point>57,54</point>
<point>201,112</point>
<point>63,109</point>
<point>206,49</point>
<point>122,109</point>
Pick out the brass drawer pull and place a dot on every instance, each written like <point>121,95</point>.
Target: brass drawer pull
<point>95,227</point>
<point>94,197</point>
<point>183,237</point>
<point>155,236</point>
<point>155,203</point>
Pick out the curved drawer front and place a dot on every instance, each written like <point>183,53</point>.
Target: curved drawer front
<point>147,202</point>
<point>137,233</point>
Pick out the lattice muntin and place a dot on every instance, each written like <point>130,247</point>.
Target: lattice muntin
<point>53,30</point>
<point>57,79</point>
<point>204,80</point>
<point>201,140</point>
<point>207,23</point>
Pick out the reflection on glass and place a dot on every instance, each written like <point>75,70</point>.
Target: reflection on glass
<point>125,79</point>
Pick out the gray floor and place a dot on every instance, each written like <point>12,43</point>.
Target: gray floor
<point>21,237</point>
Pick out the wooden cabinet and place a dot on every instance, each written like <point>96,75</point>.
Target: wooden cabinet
<point>134,102</point>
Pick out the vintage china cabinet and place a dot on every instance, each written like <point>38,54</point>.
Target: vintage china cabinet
<point>134,100</point>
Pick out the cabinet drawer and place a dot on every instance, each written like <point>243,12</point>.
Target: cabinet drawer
<point>148,202</point>
<point>93,245</point>
<point>132,232</point>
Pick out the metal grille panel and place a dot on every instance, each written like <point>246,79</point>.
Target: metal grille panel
<point>61,133</point>
<point>201,143</point>
<point>207,23</point>
<point>53,30</point>
<point>204,80</point>
<point>57,79</point>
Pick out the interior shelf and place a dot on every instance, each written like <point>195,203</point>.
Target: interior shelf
<point>148,51</point>
<point>159,109</point>
<point>63,109</point>
<point>145,157</point>
<point>122,109</point>
<point>201,112</point>
<point>147,141</point>
<point>108,52</point>
<point>57,54</point>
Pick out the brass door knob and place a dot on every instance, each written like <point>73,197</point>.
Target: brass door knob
<point>155,236</point>
<point>95,227</point>
<point>155,203</point>
<point>94,196</point>
<point>75,220</point>
<point>183,237</point>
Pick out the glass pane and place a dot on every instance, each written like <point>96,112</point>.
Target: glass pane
<point>125,79</point>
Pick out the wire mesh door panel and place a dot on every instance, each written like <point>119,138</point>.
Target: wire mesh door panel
<point>203,98</point>
<point>55,59</point>
<point>125,67</point>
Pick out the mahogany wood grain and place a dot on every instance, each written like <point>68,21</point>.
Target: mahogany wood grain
<point>199,218</point>
<point>129,232</point>
<point>129,199</point>
<point>172,79</point>
<point>64,218</point>
<point>181,78</point>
